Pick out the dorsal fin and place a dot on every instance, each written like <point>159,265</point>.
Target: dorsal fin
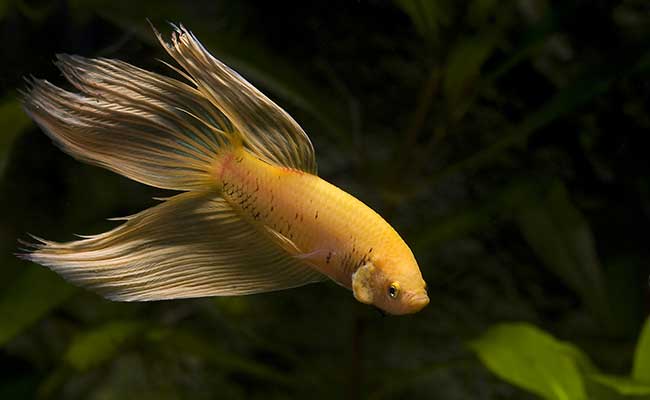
<point>265,128</point>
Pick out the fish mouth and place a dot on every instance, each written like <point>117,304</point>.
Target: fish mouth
<point>418,301</point>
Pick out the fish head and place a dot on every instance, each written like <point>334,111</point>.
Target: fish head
<point>393,284</point>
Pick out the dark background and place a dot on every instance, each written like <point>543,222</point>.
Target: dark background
<point>505,140</point>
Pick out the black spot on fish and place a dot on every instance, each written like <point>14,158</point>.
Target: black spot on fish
<point>328,258</point>
<point>316,217</point>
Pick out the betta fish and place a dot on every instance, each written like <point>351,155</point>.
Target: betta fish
<point>252,215</point>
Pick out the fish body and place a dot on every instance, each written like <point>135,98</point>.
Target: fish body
<point>331,229</point>
<point>254,215</point>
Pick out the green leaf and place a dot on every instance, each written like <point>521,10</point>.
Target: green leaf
<point>35,12</point>
<point>187,342</point>
<point>641,369</point>
<point>35,292</point>
<point>94,347</point>
<point>622,384</point>
<point>450,227</point>
<point>393,385</point>
<point>4,8</point>
<point>479,11</point>
<point>464,64</point>
<point>14,121</point>
<point>427,16</point>
<point>561,238</point>
<point>563,102</point>
<point>531,359</point>
<point>583,362</point>
<point>473,218</point>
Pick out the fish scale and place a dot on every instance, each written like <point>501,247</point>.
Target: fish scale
<point>334,229</point>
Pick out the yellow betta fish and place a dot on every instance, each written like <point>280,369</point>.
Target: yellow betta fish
<point>253,216</point>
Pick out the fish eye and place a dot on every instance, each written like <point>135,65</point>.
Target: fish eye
<point>393,290</point>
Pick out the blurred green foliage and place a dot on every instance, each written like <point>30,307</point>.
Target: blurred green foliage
<point>561,238</point>
<point>555,370</point>
<point>532,359</point>
<point>20,307</point>
<point>506,141</point>
<point>14,122</point>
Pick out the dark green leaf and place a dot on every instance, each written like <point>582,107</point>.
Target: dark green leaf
<point>622,384</point>
<point>427,16</point>
<point>641,369</point>
<point>464,64</point>
<point>565,101</point>
<point>4,7</point>
<point>562,239</point>
<point>14,122</point>
<point>29,298</point>
<point>189,343</point>
<point>475,217</point>
<point>96,346</point>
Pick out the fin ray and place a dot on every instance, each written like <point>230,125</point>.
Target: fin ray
<point>132,121</point>
<point>266,129</point>
<point>192,245</point>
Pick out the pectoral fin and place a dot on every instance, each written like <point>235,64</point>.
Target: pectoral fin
<point>282,241</point>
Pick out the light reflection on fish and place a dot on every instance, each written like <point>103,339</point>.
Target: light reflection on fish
<point>253,216</point>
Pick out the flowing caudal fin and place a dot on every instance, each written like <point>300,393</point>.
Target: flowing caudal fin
<point>192,245</point>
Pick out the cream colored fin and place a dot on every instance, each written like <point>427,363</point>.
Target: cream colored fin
<point>282,241</point>
<point>150,128</point>
<point>266,129</point>
<point>192,245</point>
<point>291,248</point>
